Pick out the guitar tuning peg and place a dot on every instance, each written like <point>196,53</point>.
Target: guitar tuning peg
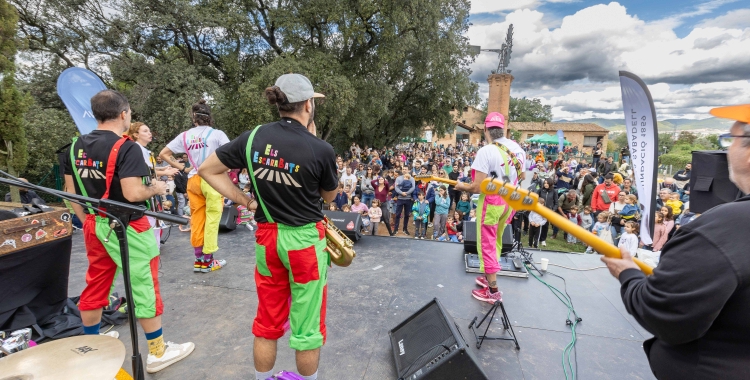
<point>503,191</point>
<point>515,196</point>
<point>527,201</point>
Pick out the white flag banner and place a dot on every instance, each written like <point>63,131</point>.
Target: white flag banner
<point>640,122</point>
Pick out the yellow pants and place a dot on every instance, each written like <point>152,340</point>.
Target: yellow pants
<point>206,206</point>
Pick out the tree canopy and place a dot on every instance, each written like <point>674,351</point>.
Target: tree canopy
<point>13,103</point>
<point>386,73</point>
<point>522,109</point>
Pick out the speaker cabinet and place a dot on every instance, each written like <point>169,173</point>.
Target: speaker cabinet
<point>709,181</point>
<point>429,346</point>
<point>470,238</point>
<point>350,223</point>
<point>228,221</point>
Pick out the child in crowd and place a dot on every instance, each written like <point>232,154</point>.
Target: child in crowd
<point>346,208</point>
<point>442,204</point>
<point>332,207</point>
<point>245,217</point>
<point>536,222</point>
<point>587,220</point>
<point>342,197</point>
<point>375,214</point>
<point>629,238</point>
<point>186,214</point>
<point>575,218</point>
<point>450,231</point>
<point>661,231</point>
<point>630,210</point>
<point>463,204</point>
<point>421,212</point>
<point>675,203</point>
<point>473,215</point>
<point>600,225</point>
<point>458,217</point>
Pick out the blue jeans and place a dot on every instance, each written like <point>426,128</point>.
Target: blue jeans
<point>367,199</point>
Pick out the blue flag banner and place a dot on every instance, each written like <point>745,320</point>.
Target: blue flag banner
<point>560,140</point>
<point>640,123</point>
<point>76,86</point>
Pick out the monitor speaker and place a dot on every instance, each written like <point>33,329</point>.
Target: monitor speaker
<point>228,221</point>
<point>429,346</point>
<point>709,181</point>
<point>350,223</point>
<point>470,238</point>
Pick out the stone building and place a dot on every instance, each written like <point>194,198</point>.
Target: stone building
<point>469,126</point>
<point>583,135</point>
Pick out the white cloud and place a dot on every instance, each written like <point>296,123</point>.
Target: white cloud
<point>736,19</point>
<point>574,66</point>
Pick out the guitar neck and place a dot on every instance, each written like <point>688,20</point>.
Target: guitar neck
<point>587,237</point>
<point>445,180</point>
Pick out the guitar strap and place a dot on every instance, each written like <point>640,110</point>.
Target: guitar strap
<point>513,159</point>
<point>111,162</point>
<point>249,158</point>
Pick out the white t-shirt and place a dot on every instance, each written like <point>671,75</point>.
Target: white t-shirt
<point>146,156</point>
<point>349,180</point>
<point>488,159</point>
<point>201,142</point>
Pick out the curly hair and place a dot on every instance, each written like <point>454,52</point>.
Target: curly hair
<point>201,114</point>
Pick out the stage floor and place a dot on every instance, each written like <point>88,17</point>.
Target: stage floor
<point>388,281</point>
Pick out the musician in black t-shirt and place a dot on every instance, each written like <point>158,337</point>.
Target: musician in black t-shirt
<point>292,170</point>
<point>105,165</point>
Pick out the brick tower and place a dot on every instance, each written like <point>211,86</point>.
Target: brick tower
<point>499,99</point>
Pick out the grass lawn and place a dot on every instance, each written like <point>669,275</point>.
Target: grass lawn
<point>560,244</point>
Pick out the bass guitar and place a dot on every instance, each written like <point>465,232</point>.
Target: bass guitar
<point>428,178</point>
<point>520,199</point>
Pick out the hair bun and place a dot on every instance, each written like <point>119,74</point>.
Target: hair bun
<point>202,101</point>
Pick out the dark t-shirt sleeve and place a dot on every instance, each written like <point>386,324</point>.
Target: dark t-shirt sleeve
<point>233,154</point>
<point>681,300</point>
<point>130,162</point>
<point>329,179</point>
<point>65,161</point>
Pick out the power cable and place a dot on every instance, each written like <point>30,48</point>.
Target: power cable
<point>566,300</point>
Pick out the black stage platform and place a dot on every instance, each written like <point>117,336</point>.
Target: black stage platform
<point>389,280</point>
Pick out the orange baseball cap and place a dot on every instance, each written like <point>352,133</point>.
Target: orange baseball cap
<point>738,113</point>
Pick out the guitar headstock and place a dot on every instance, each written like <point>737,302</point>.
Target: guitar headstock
<point>517,198</point>
<point>424,177</point>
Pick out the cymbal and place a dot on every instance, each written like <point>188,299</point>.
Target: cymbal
<point>79,357</point>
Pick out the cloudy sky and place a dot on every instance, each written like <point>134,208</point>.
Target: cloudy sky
<point>693,54</point>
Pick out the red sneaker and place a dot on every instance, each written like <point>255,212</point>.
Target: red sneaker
<point>487,296</point>
<point>482,281</point>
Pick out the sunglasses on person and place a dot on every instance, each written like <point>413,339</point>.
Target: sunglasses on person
<point>727,139</point>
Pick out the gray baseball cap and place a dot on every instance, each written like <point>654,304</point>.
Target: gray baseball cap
<point>297,88</point>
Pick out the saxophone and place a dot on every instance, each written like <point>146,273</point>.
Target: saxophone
<point>338,246</point>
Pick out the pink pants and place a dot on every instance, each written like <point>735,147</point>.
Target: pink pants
<point>494,214</point>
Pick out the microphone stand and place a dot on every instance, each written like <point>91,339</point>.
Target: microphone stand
<point>120,215</point>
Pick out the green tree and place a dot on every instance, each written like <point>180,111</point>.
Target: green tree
<point>386,73</point>
<point>13,103</point>
<point>687,138</point>
<point>522,109</point>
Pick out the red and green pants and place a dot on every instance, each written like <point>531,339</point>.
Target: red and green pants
<point>105,264</point>
<point>291,262</point>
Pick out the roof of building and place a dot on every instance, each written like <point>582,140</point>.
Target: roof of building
<point>553,127</point>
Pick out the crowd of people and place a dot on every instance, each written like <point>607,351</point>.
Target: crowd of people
<point>593,191</point>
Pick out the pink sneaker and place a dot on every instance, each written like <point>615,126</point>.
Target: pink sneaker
<point>482,281</point>
<point>487,296</point>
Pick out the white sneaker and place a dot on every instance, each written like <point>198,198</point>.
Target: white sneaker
<point>172,354</point>
<point>249,227</point>
<point>544,243</point>
<point>113,334</point>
